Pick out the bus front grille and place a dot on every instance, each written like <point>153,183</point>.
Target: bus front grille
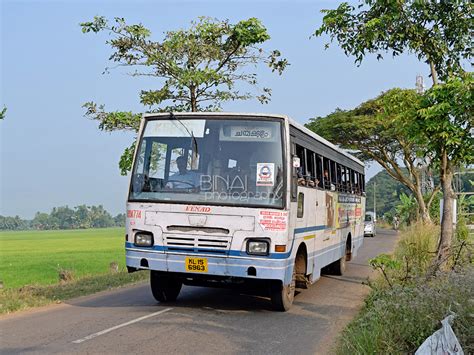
<point>197,244</point>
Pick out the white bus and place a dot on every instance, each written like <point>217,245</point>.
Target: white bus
<point>229,198</point>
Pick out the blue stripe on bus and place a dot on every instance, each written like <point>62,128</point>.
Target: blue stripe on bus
<point>216,252</point>
<point>309,229</point>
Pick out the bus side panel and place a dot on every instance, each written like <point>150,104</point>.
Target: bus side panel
<point>324,228</point>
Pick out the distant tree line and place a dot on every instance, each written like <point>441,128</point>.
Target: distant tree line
<point>79,217</point>
<point>395,199</point>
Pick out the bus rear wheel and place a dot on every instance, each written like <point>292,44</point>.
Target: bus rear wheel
<point>164,288</point>
<point>282,296</point>
<point>339,266</point>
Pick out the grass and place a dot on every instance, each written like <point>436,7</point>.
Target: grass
<point>397,320</point>
<point>12,300</point>
<point>36,257</point>
<point>31,263</point>
<point>406,306</point>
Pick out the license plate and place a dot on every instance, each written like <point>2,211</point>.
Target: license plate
<point>196,264</point>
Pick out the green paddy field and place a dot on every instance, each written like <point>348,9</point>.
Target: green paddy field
<point>34,257</point>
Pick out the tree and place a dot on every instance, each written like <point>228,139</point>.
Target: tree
<point>440,34</point>
<point>41,221</point>
<point>406,208</point>
<point>3,113</point>
<point>445,124</point>
<point>100,218</point>
<point>82,216</point>
<point>62,218</point>
<point>119,220</point>
<point>377,131</point>
<point>197,68</point>
<point>13,223</point>
<point>437,32</point>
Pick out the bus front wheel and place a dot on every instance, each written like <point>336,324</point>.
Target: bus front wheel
<point>282,296</point>
<point>164,288</point>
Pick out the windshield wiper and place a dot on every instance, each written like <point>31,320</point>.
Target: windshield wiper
<point>194,145</point>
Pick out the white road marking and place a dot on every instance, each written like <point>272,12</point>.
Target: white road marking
<point>105,331</point>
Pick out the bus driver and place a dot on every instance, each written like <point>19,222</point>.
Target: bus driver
<point>183,178</point>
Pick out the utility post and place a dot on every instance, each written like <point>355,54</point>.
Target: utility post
<point>375,213</point>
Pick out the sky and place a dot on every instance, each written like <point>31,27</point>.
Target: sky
<point>51,155</point>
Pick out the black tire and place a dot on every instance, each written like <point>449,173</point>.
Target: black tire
<point>164,288</point>
<point>282,296</point>
<point>339,267</point>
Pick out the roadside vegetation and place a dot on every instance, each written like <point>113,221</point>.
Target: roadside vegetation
<point>41,267</point>
<point>410,132</point>
<point>16,299</point>
<point>416,136</point>
<point>408,300</point>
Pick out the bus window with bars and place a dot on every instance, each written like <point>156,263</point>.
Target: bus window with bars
<point>319,170</point>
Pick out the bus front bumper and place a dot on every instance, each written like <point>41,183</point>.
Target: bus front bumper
<point>230,266</point>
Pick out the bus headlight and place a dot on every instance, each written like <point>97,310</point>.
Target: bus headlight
<point>258,247</point>
<point>143,239</point>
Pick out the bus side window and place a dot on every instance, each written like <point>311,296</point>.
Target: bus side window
<point>333,175</point>
<point>348,183</point>
<point>311,171</point>
<point>353,188</point>
<point>338,178</point>
<point>356,182</point>
<point>327,174</point>
<point>319,171</point>
<point>294,175</point>
<point>345,179</point>
<point>301,172</point>
<point>300,211</point>
<point>348,180</point>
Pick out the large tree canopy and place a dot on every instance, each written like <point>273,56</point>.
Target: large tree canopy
<point>444,124</point>
<point>378,130</point>
<point>197,69</point>
<point>438,32</point>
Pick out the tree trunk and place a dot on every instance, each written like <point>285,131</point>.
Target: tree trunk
<point>422,208</point>
<point>192,90</point>
<point>434,75</point>
<point>447,229</point>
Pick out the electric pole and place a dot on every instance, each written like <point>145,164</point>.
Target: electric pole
<point>375,213</point>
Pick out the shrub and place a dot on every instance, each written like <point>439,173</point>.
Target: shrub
<point>416,248</point>
<point>65,275</point>
<point>399,319</point>
<point>409,300</point>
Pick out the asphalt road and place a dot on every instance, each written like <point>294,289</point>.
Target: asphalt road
<point>203,320</point>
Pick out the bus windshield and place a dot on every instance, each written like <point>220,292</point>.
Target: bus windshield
<point>210,161</point>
